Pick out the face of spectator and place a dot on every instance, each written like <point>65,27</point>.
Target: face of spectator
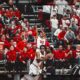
<point>60,47</point>
<point>63,29</point>
<point>18,30</point>
<point>3,38</point>
<point>48,49</point>
<point>64,17</point>
<point>11,48</point>
<point>69,46</point>
<point>16,9</point>
<point>70,30</point>
<point>7,10</point>
<point>13,22</point>
<point>34,46</point>
<point>25,49</point>
<point>12,41</point>
<point>3,9</point>
<point>25,20</point>
<point>11,9</point>
<point>29,45</point>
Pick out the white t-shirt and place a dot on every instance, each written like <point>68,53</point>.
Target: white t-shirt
<point>54,23</point>
<point>61,6</point>
<point>78,12</point>
<point>57,32</point>
<point>64,23</point>
<point>75,20</point>
<point>40,41</point>
<point>46,9</point>
<point>54,10</point>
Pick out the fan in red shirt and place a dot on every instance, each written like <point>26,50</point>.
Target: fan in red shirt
<point>11,55</point>
<point>21,44</point>
<point>6,43</point>
<point>2,31</point>
<point>31,52</point>
<point>17,13</point>
<point>73,60</point>
<point>68,52</point>
<point>11,58</point>
<point>7,13</point>
<point>74,51</point>
<point>17,37</point>
<point>59,56</point>
<point>62,34</point>
<point>34,31</point>
<point>23,56</point>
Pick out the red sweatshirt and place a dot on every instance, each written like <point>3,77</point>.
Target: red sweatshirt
<point>59,54</point>
<point>31,54</point>
<point>11,55</point>
<point>67,52</point>
<point>23,56</point>
<point>61,35</point>
<point>21,45</point>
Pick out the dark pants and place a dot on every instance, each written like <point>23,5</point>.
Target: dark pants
<point>20,66</point>
<point>59,64</point>
<point>72,61</point>
<point>10,66</point>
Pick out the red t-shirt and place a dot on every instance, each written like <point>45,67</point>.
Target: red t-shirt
<point>6,43</point>
<point>69,55</point>
<point>31,54</point>
<point>61,35</point>
<point>59,54</point>
<point>17,38</point>
<point>11,55</point>
<point>23,56</point>
<point>74,53</point>
<point>18,14</point>
<point>21,45</point>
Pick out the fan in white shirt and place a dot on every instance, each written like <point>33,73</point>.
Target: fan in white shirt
<point>61,6</point>
<point>54,23</point>
<point>58,31</point>
<point>46,8</point>
<point>65,22</point>
<point>54,10</point>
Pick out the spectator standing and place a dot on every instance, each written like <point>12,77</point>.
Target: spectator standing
<point>69,36</point>
<point>61,6</point>
<point>54,24</point>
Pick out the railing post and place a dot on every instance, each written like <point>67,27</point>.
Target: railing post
<point>17,77</point>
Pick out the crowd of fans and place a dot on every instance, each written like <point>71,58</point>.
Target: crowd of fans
<point>20,43</point>
<point>15,35</point>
